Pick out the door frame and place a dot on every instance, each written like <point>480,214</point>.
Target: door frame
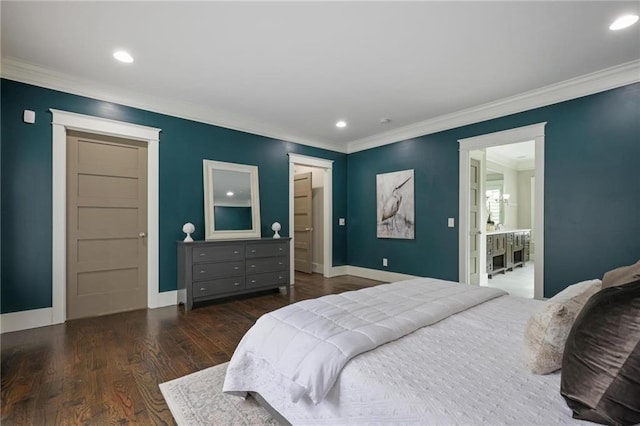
<point>62,122</point>
<point>327,219</point>
<point>520,134</point>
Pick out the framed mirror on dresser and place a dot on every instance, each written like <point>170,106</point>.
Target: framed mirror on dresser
<point>231,200</point>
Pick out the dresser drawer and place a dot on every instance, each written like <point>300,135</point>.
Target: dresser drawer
<point>268,264</point>
<point>202,271</point>
<point>225,285</point>
<point>267,249</point>
<point>268,279</point>
<point>208,254</point>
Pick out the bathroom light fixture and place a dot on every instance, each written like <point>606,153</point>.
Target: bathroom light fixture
<point>123,56</point>
<point>341,124</point>
<point>229,193</point>
<point>623,22</point>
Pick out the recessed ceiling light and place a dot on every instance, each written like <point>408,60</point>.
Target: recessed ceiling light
<point>623,22</point>
<point>123,56</point>
<point>341,124</point>
<point>229,193</point>
<point>385,120</point>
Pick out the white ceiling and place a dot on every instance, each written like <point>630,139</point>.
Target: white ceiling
<point>518,156</point>
<point>292,69</point>
<point>237,182</point>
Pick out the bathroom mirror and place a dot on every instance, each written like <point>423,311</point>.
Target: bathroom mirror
<point>231,200</point>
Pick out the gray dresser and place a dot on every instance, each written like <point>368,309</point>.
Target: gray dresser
<point>210,270</point>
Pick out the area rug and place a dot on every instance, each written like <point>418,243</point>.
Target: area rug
<point>197,399</point>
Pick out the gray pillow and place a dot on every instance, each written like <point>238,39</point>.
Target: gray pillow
<point>601,365</point>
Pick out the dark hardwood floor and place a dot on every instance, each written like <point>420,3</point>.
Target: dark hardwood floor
<point>106,370</point>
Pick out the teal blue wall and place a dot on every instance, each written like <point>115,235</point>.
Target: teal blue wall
<point>592,191</point>
<point>592,185</point>
<point>26,184</point>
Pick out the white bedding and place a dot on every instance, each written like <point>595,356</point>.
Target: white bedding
<point>467,369</point>
<point>309,342</point>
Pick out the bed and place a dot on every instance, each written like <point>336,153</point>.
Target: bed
<point>465,368</point>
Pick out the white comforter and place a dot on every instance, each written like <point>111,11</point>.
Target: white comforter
<point>308,343</point>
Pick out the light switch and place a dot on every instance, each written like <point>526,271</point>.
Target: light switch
<point>341,221</point>
<point>451,222</point>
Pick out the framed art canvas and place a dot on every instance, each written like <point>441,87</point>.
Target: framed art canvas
<point>395,206</point>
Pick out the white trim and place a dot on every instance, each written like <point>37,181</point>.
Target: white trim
<point>520,134</point>
<point>538,291</point>
<point>588,84</point>
<point>327,165</point>
<point>376,274</point>
<point>165,298</point>
<point>599,81</point>
<point>16,70</point>
<point>23,320</point>
<point>337,271</point>
<point>532,200</point>
<point>61,122</point>
<point>372,274</point>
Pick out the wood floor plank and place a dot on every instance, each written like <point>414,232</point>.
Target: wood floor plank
<point>107,370</point>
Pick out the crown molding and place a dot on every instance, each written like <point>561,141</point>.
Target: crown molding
<point>12,69</point>
<point>599,81</point>
<point>588,84</point>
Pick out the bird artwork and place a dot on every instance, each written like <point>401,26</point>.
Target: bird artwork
<point>395,205</point>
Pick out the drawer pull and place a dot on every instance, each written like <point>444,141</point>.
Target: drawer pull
<point>236,283</point>
<point>280,248</point>
<point>280,263</point>
<point>202,289</point>
<point>203,271</point>
<point>235,252</point>
<point>253,266</point>
<point>253,251</point>
<point>202,254</point>
<point>236,267</point>
<point>253,281</point>
<point>279,278</point>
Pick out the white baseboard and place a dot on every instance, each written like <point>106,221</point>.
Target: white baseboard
<point>23,320</point>
<point>376,274</point>
<point>336,271</point>
<point>165,298</point>
<point>372,274</point>
<point>34,318</point>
